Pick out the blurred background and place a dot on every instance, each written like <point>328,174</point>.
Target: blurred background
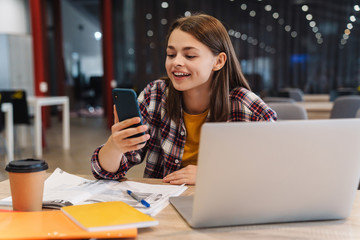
<point>84,48</point>
<point>308,44</point>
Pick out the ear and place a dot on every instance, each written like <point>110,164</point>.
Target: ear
<point>220,61</point>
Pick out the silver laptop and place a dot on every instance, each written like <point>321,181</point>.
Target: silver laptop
<point>262,172</point>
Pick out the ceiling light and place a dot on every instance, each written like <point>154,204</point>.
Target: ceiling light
<point>97,36</point>
<point>268,8</point>
<point>164,4</point>
<point>275,15</point>
<point>131,51</point>
<point>148,16</point>
<point>150,33</point>
<point>164,21</point>
<point>305,8</point>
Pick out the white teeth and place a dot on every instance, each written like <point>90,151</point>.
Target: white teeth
<point>180,74</point>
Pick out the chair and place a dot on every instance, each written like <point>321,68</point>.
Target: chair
<point>18,99</point>
<point>2,124</point>
<point>345,107</point>
<point>2,121</point>
<point>278,99</point>
<point>20,107</point>
<point>342,92</point>
<point>294,93</point>
<point>358,113</point>
<point>289,111</point>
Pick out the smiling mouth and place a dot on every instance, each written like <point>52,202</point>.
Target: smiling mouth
<point>181,74</point>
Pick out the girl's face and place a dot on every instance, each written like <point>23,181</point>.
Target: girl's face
<point>189,63</point>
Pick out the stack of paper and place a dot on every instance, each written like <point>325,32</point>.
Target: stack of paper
<point>64,189</point>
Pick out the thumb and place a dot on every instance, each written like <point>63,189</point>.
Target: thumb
<point>116,118</point>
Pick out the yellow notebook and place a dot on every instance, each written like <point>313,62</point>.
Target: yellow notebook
<point>50,225</point>
<point>108,216</point>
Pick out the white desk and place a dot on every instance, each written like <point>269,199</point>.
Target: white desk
<point>37,103</point>
<point>7,108</point>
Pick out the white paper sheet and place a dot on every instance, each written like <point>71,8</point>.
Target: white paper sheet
<point>62,188</point>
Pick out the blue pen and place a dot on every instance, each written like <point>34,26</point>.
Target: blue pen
<point>137,198</point>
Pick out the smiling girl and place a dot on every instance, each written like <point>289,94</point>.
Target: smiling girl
<point>204,84</point>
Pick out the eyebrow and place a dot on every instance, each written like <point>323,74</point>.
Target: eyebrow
<point>184,49</point>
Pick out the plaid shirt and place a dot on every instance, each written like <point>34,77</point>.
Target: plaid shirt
<point>164,150</point>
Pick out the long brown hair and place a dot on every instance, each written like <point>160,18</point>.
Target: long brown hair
<point>211,32</point>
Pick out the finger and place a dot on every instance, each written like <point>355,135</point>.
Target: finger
<point>124,136</point>
<point>136,141</point>
<point>174,176</point>
<point>130,144</point>
<point>133,147</point>
<point>129,122</point>
<point>116,118</point>
<point>179,181</point>
<point>118,126</point>
<point>168,177</point>
<point>130,132</point>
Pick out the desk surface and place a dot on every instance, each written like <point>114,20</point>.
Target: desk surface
<point>317,106</point>
<point>172,226</point>
<point>317,109</point>
<point>316,97</point>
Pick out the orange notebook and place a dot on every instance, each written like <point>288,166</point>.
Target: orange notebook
<point>108,216</point>
<point>50,225</point>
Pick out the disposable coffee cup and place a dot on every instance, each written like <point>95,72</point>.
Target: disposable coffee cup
<point>27,183</point>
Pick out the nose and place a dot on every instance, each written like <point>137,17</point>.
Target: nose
<point>178,60</point>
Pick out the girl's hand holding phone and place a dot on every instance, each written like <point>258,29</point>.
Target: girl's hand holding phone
<point>122,132</point>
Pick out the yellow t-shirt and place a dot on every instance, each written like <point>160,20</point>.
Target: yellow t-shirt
<point>193,124</point>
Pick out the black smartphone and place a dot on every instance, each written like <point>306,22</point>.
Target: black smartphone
<point>127,106</point>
